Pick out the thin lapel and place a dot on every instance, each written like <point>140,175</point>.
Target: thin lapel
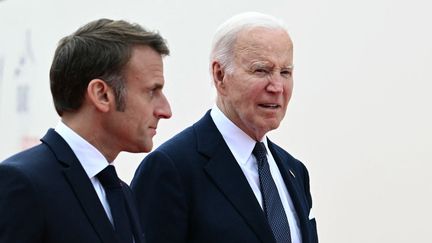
<point>229,178</point>
<point>81,185</point>
<point>294,189</point>
<point>133,214</point>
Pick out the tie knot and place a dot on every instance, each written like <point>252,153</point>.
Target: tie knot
<point>260,153</point>
<point>108,177</point>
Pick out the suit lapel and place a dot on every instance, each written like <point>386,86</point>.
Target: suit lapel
<point>81,186</point>
<point>294,189</point>
<point>227,175</point>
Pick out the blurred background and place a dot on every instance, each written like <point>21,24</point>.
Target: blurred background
<point>360,116</point>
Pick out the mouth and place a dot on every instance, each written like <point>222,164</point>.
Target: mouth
<point>272,106</point>
<point>153,129</point>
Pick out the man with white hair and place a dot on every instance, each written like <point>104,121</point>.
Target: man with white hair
<point>222,180</point>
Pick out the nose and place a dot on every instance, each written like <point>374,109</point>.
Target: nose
<point>276,84</point>
<point>164,110</point>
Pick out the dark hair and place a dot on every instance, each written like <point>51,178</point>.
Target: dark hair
<point>99,49</point>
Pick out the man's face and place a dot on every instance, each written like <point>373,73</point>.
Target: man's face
<point>256,94</point>
<point>134,128</point>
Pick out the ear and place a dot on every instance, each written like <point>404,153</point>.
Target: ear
<point>100,95</point>
<point>219,76</point>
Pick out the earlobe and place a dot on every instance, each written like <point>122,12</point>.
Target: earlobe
<point>99,94</point>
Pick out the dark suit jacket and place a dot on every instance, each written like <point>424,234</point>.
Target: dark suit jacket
<point>191,189</point>
<point>46,196</point>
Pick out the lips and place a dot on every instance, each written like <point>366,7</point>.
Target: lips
<point>153,128</point>
<point>269,105</point>
<point>152,131</point>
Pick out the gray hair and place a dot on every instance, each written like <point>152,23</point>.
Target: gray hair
<point>226,35</point>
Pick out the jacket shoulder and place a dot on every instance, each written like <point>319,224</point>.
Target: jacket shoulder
<point>29,159</point>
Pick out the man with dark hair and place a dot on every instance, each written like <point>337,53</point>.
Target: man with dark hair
<point>222,179</point>
<point>106,83</point>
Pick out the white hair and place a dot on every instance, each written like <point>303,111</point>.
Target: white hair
<point>226,35</point>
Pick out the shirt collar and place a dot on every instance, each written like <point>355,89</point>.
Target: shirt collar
<point>90,158</point>
<point>240,144</point>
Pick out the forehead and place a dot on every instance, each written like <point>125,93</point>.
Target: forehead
<point>144,57</point>
<point>259,43</point>
<point>144,60</point>
<point>145,66</point>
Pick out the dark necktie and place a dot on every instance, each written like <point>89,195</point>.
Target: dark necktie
<point>117,201</point>
<point>272,203</point>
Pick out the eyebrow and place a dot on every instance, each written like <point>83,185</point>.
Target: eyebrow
<point>157,86</point>
<point>262,64</point>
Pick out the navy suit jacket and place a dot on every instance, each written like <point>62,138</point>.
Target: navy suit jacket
<point>46,196</point>
<point>191,189</point>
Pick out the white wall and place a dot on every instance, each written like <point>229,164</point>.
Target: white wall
<point>359,118</point>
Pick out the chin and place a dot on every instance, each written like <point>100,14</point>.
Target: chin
<point>148,148</point>
<point>142,148</point>
<point>272,124</point>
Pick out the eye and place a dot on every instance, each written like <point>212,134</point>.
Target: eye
<point>261,71</point>
<point>155,91</point>
<point>286,73</point>
<point>152,92</point>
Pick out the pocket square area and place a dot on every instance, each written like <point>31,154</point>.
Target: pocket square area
<point>311,214</point>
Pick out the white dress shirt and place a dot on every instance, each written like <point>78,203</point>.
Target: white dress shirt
<point>241,146</point>
<point>90,158</point>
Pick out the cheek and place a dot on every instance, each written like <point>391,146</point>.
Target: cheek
<point>142,109</point>
<point>287,96</point>
<point>288,89</point>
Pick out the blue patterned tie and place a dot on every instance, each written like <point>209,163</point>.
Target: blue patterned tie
<point>272,203</point>
<point>117,201</point>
